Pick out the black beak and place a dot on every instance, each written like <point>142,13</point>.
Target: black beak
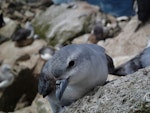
<point>60,87</point>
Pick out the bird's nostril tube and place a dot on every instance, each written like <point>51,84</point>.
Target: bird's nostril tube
<point>56,76</point>
<point>57,73</point>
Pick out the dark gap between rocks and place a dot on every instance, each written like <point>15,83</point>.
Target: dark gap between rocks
<point>21,93</point>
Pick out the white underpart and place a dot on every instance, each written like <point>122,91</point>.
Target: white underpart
<point>46,56</point>
<point>6,76</point>
<point>6,83</point>
<point>29,26</point>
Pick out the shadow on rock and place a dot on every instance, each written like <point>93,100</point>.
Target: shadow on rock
<point>21,93</point>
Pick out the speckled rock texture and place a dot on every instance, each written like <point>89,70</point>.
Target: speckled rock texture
<point>129,94</point>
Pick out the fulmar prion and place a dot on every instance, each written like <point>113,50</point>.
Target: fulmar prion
<point>72,72</point>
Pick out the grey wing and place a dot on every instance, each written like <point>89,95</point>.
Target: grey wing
<point>46,81</point>
<point>110,64</point>
<point>145,56</point>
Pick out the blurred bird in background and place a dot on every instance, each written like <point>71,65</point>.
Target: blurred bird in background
<point>6,76</point>
<point>46,52</point>
<point>24,36</point>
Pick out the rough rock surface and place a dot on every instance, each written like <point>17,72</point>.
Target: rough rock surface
<point>124,95</point>
<point>81,39</point>
<point>10,26</point>
<point>11,54</point>
<point>63,22</point>
<point>128,42</point>
<point>39,105</point>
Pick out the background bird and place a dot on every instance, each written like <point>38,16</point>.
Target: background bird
<point>6,76</point>
<point>24,36</point>
<point>97,33</point>
<point>139,61</point>
<point>46,52</point>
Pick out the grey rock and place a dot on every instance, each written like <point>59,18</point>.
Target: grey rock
<point>61,23</point>
<point>81,39</point>
<point>124,95</point>
<point>39,105</point>
<point>9,54</point>
<point>29,14</point>
<point>10,26</point>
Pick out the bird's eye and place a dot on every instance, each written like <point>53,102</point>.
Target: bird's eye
<point>71,64</point>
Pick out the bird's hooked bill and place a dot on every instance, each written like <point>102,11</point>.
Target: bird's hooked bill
<point>60,87</point>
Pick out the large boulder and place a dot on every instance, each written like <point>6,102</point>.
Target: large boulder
<point>61,23</point>
<point>129,94</point>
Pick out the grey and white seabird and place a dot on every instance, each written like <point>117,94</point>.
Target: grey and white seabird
<point>6,76</point>
<point>72,72</point>
<point>24,36</point>
<point>139,61</point>
<point>46,52</point>
<point>97,33</point>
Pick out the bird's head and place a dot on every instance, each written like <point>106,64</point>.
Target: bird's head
<point>64,68</point>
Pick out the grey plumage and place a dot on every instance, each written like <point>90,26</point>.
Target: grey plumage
<point>23,33</point>
<point>139,61</point>
<point>71,73</point>
<point>6,76</point>
<point>145,57</point>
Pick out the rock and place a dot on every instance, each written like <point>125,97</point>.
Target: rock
<point>128,42</point>
<point>61,23</point>
<point>112,77</point>
<point>10,26</point>
<point>29,14</point>
<point>10,54</point>
<point>39,105</point>
<point>122,59</point>
<point>81,39</point>
<point>18,14</point>
<point>26,65</point>
<point>3,39</point>
<point>125,95</point>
